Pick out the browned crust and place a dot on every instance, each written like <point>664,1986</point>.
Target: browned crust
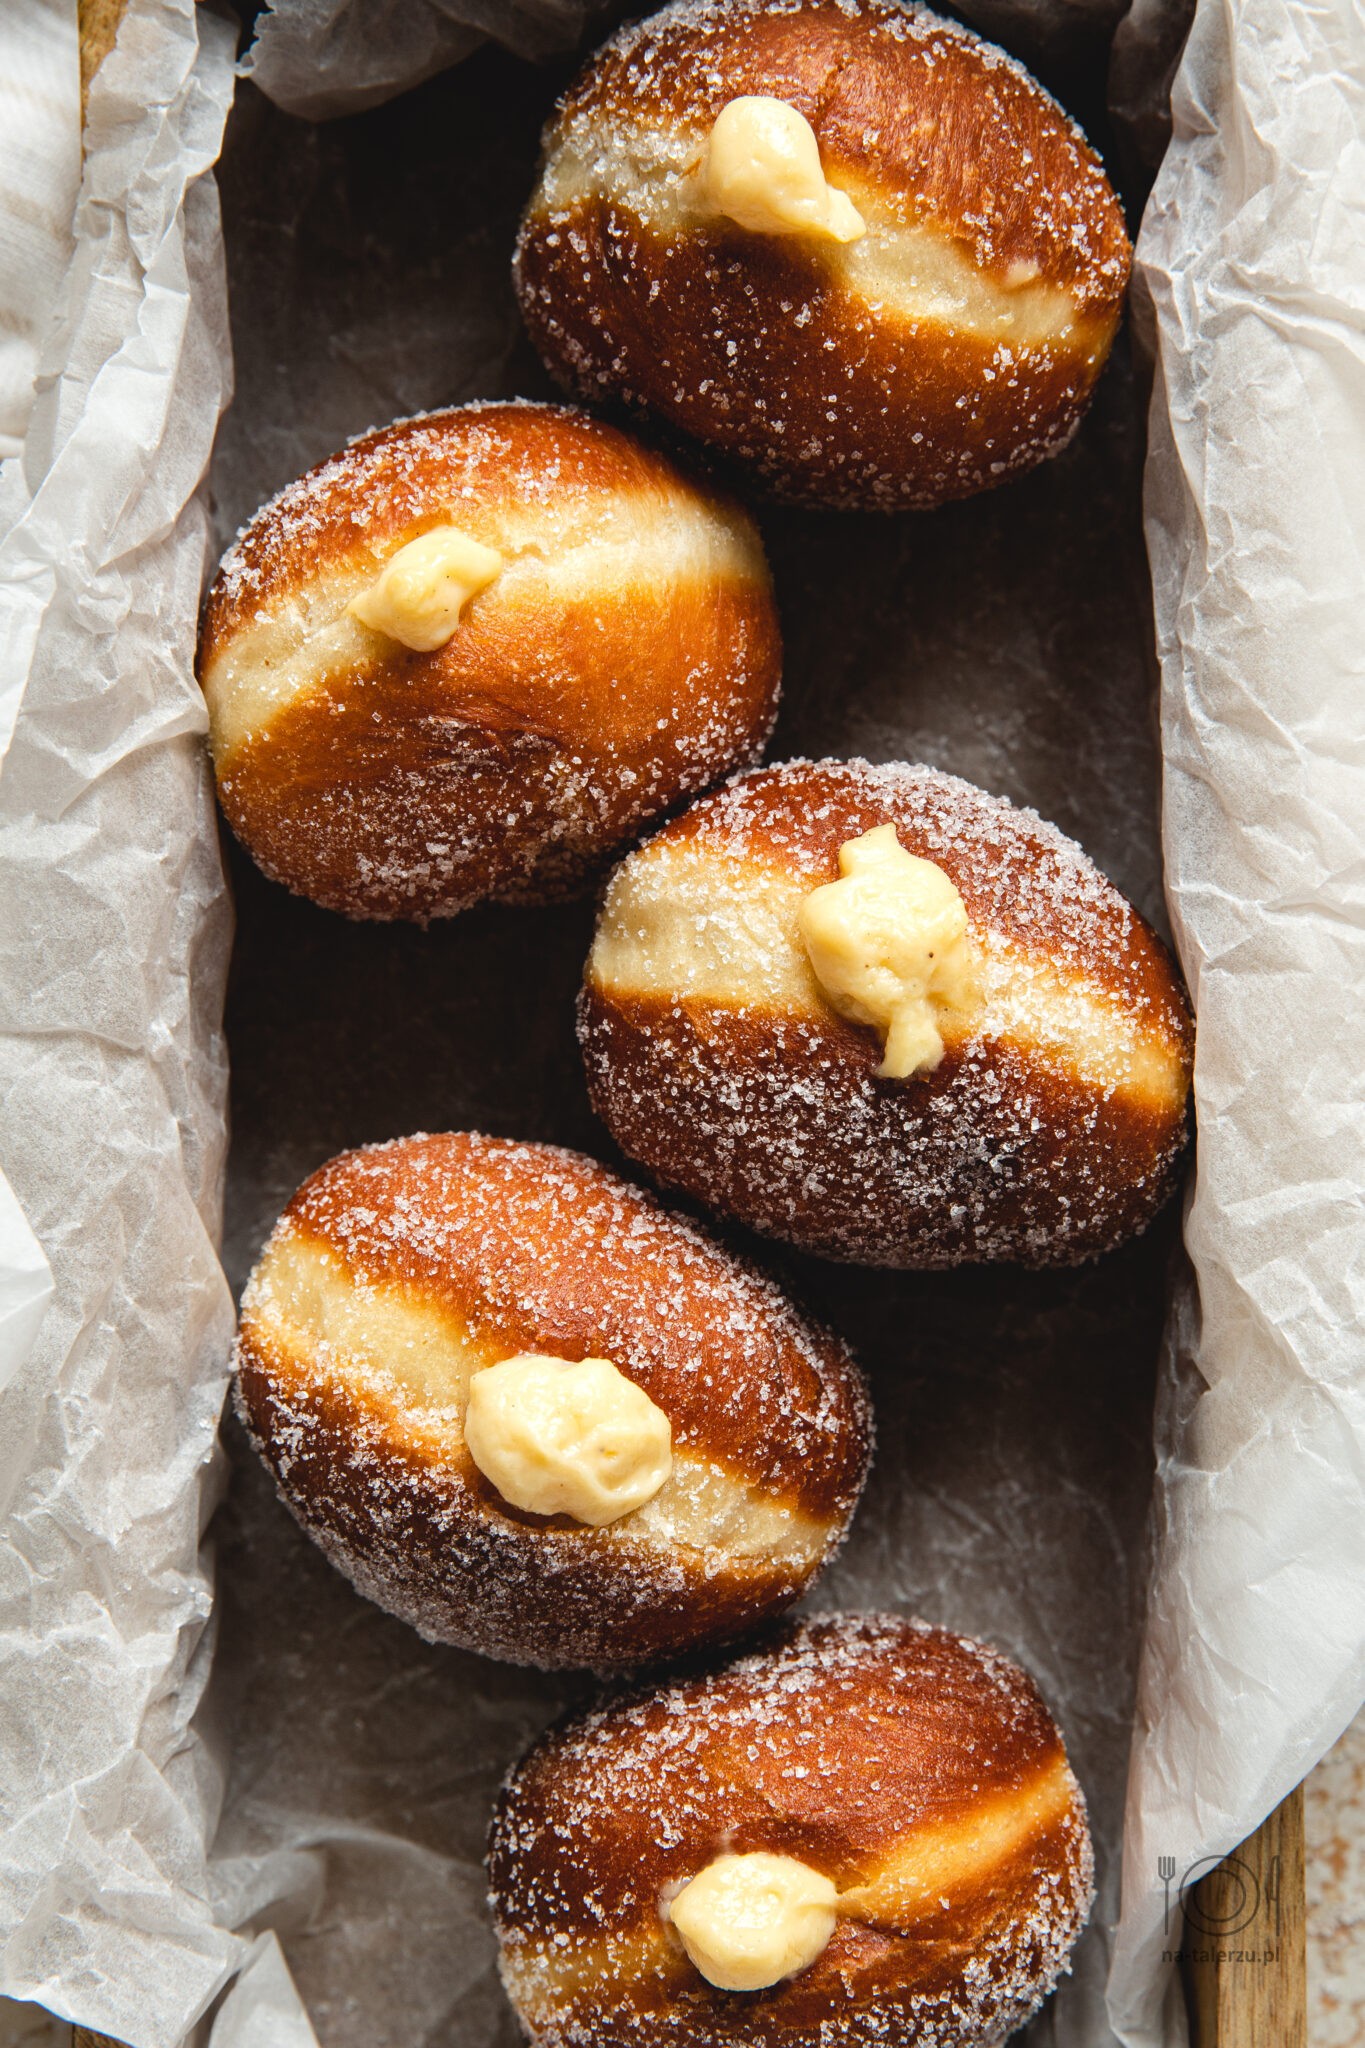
<point>987,1160</point>
<point>509,763</point>
<point>851,407</point>
<point>537,1249</point>
<point>833,1746</point>
<point>784,1122</point>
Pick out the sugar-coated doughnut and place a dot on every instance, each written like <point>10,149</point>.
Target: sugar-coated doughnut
<point>697,1448</point>
<point>474,653</point>
<point>844,241</point>
<point>906,1790</point>
<point>1015,1091</point>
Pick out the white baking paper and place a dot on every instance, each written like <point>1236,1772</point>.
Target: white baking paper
<point>1253,251</point>
<point>113,944</point>
<point>324,57</point>
<point>26,1285</point>
<point>40,168</point>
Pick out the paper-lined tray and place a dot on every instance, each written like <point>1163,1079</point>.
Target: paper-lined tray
<point>1005,640</point>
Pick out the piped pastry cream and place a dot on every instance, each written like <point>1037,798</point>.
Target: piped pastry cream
<point>558,1438</point>
<point>421,592</point>
<point>888,944</point>
<point>762,170</point>
<point>749,1921</point>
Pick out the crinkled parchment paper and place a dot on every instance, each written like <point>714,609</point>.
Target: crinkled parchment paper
<point>113,942</point>
<point>1253,251</point>
<point>1007,639</point>
<point>40,99</point>
<point>324,57</point>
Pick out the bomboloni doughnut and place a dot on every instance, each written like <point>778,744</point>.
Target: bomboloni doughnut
<point>844,241</point>
<point>867,1834</point>
<point>533,1414</point>
<point>890,1018</point>
<point>473,654</point>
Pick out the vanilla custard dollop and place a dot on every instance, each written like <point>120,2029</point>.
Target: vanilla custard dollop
<point>419,594</point>
<point>558,1438</point>
<point>749,1921</point>
<point>762,170</point>
<point>888,944</point>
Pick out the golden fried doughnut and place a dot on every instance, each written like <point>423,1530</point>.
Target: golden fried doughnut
<point>1028,1103</point>
<point>904,1799</point>
<point>845,242</point>
<point>696,1447</point>
<point>474,653</point>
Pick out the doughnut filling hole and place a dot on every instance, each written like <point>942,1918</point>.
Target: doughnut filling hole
<point>557,1438</point>
<point>749,1921</point>
<point>889,946</point>
<point>421,591</point>
<point>762,170</point>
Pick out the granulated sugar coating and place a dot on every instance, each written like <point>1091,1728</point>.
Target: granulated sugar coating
<point>626,654</point>
<point>1051,1130</point>
<point>919,1771</point>
<point>399,1271</point>
<point>954,344</point>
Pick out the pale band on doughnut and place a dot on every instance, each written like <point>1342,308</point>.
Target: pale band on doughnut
<point>684,920</point>
<point>900,269</point>
<point>414,1362</point>
<point>304,638</point>
<point>903,1895</point>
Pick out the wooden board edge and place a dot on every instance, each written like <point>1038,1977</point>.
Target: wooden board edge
<point>97,21</point>
<point>1244,1955</point>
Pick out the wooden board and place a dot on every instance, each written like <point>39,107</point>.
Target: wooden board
<point>99,20</point>
<point>1244,1951</point>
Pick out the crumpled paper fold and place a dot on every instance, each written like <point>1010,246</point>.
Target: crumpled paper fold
<point>1254,1658</point>
<point>320,58</point>
<point>113,946</point>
